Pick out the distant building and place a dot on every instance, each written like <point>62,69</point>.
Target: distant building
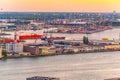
<point>11,27</point>
<point>14,47</point>
<point>39,50</point>
<point>112,46</point>
<point>34,50</point>
<point>116,23</point>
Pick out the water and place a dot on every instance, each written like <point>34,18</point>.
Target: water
<point>110,34</point>
<point>92,66</point>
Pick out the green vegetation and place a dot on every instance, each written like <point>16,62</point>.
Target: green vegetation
<point>85,40</point>
<point>22,55</point>
<point>4,53</point>
<point>70,52</point>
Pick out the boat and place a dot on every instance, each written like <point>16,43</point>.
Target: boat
<point>58,38</point>
<point>53,38</point>
<point>31,36</point>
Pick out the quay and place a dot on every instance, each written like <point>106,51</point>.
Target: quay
<point>57,47</point>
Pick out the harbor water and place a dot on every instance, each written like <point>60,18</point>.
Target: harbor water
<point>110,34</point>
<point>92,66</point>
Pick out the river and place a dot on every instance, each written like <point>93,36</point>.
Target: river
<point>110,34</point>
<point>92,66</point>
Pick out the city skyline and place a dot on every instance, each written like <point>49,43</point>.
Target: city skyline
<point>60,6</point>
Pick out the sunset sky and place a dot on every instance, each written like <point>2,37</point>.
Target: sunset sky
<point>60,5</point>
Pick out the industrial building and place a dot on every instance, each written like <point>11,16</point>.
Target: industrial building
<point>112,46</point>
<point>39,50</point>
<point>34,50</point>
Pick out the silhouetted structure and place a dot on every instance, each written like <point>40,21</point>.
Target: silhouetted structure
<point>42,78</point>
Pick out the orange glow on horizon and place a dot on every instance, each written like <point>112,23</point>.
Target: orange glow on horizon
<point>60,5</point>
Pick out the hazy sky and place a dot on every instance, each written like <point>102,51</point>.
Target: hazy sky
<point>61,5</point>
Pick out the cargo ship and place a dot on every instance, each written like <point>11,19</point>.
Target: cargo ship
<point>32,36</point>
<point>58,38</point>
<point>53,38</point>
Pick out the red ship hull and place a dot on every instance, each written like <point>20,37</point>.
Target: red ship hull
<point>34,36</point>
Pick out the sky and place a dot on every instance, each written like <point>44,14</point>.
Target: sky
<point>60,5</point>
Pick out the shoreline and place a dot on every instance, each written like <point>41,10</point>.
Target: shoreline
<point>92,32</point>
<point>38,56</point>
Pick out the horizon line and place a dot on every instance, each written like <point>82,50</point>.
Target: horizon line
<point>57,12</point>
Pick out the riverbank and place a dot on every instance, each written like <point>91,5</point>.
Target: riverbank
<point>79,30</point>
<point>48,55</point>
<point>70,45</point>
